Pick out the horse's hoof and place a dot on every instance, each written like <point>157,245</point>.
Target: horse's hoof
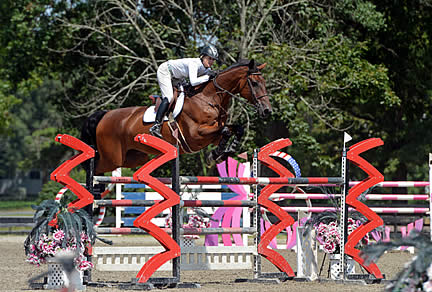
<point>221,158</point>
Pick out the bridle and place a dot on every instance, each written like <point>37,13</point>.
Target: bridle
<point>256,98</point>
<point>251,87</point>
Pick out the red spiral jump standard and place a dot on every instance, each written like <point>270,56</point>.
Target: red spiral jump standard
<point>168,152</point>
<point>374,177</point>
<point>61,174</point>
<point>285,219</point>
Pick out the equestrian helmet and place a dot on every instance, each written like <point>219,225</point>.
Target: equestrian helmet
<point>210,51</point>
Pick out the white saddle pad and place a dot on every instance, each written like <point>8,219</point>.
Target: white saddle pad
<point>150,114</point>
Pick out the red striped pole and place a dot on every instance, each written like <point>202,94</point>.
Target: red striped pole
<point>372,197</point>
<point>260,180</point>
<point>124,180</point>
<point>183,231</point>
<point>402,210</point>
<point>184,203</point>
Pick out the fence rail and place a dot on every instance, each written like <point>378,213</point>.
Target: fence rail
<point>12,223</point>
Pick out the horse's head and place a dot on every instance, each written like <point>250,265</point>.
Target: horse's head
<point>255,91</point>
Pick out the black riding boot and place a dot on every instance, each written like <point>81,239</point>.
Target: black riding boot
<point>155,130</point>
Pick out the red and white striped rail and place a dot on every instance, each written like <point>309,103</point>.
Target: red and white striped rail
<point>183,231</point>
<point>397,184</point>
<point>372,197</point>
<point>184,203</point>
<point>259,180</point>
<point>402,210</point>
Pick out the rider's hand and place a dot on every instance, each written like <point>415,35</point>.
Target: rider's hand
<point>185,84</point>
<point>212,74</point>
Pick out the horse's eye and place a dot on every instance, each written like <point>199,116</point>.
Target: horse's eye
<point>254,83</point>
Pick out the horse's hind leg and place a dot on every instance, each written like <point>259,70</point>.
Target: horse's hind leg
<point>111,155</point>
<point>135,158</point>
<point>104,164</point>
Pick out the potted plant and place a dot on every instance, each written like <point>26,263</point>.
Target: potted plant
<point>328,235</point>
<point>58,230</point>
<point>198,220</point>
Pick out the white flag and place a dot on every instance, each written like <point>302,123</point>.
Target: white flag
<point>347,137</point>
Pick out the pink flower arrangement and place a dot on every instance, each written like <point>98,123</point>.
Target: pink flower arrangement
<point>194,221</point>
<point>328,235</point>
<point>49,246</point>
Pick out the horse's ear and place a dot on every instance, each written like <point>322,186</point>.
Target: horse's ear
<point>252,66</point>
<point>260,67</point>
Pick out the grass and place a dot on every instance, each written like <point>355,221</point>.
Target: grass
<point>16,205</point>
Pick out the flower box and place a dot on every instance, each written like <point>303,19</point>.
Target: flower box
<point>335,268</point>
<point>58,279</point>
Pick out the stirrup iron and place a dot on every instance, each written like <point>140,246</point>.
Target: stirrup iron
<point>155,130</point>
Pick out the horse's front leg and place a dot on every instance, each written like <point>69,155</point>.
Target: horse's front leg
<point>218,154</point>
<point>238,135</point>
<point>223,150</point>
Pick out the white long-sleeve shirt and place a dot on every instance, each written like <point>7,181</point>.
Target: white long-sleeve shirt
<point>191,68</point>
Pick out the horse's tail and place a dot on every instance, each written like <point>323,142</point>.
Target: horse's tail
<point>88,134</point>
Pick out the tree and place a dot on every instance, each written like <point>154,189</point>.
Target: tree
<point>7,101</point>
<point>404,47</point>
<point>31,144</point>
<point>361,66</point>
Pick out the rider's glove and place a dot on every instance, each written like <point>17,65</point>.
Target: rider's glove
<point>212,74</point>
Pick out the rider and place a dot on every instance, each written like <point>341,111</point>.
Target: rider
<point>173,72</point>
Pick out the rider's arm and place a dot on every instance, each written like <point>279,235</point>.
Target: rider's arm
<point>193,75</point>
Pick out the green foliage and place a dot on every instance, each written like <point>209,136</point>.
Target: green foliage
<point>30,144</point>
<point>358,66</point>
<point>7,101</point>
<point>51,188</point>
<point>362,12</point>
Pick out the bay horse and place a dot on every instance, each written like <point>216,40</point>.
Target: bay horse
<point>202,120</point>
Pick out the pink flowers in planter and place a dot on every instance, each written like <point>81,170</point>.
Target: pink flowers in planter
<point>194,221</point>
<point>49,246</point>
<point>328,235</point>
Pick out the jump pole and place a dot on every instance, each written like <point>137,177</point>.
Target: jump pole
<point>177,220</point>
<point>256,219</point>
<point>344,207</point>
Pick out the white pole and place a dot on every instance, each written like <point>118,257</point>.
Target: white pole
<point>118,191</point>
<point>343,208</point>
<point>256,219</point>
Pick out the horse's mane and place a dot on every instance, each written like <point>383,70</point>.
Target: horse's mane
<point>241,62</point>
<point>192,90</point>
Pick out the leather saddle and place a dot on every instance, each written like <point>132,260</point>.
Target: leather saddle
<point>185,87</point>
<point>157,99</point>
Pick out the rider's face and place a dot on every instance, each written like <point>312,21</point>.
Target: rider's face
<point>208,61</point>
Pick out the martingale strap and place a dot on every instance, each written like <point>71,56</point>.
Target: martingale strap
<point>175,129</point>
